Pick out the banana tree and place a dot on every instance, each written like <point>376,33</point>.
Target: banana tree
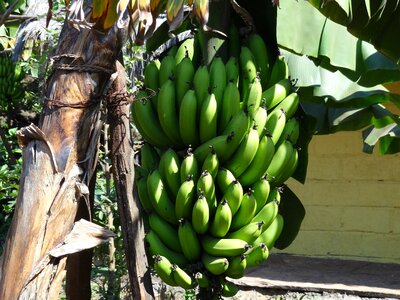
<point>60,154</point>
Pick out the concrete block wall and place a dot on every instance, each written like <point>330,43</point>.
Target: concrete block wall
<point>352,202</point>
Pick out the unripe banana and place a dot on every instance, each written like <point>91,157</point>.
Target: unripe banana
<point>261,190</point>
<point>245,212</point>
<point>185,199</point>
<point>289,104</point>
<point>189,241</point>
<point>253,99</point>
<point>234,194</point>
<point>289,169</point>
<point>169,167</point>
<point>260,119</point>
<point>248,233</point>
<point>206,186</point>
<point>259,50</point>
<point>202,280</point>
<point>185,50</point>
<point>200,215</point>
<point>237,266</point>
<point>230,105</point>
<point>167,233</point>
<point>229,289</point>
<point>266,215</point>
<point>184,79</point>
<point>141,187</point>
<point>291,131</point>
<point>159,198</point>
<point>247,66</point>
<point>221,145</point>
<point>275,124</point>
<point>272,233</point>
<point>201,83</point>
<point>222,220</point>
<point>167,70</point>
<point>182,279</point>
<point>157,247</point>
<point>216,265</point>
<point>208,118</point>
<point>244,154</point>
<point>280,70</point>
<point>257,255</point>
<point>259,164</point>
<point>282,156</point>
<point>217,80</point>
<point>147,123</point>
<point>233,41</point>
<point>167,112</point>
<point>189,167</point>
<point>163,268</point>
<point>232,71</point>
<point>274,195</point>
<point>149,157</point>
<point>151,80</point>
<point>188,128</point>
<point>224,179</point>
<point>276,93</point>
<point>223,246</point>
<point>211,163</point>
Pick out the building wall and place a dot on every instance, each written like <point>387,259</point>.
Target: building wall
<point>352,201</point>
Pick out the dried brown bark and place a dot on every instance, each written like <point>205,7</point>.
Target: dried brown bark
<point>123,170</point>
<point>59,160</point>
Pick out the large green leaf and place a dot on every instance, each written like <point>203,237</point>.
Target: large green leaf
<point>304,30</point>
<point>377,22</point>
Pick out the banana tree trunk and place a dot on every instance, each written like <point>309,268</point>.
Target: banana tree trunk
<point>59,158</point>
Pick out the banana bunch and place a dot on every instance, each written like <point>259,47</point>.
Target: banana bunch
<point>219,141</point>
<point>11,75</point>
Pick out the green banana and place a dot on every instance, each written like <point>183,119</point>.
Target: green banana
<point>221,145</point>
<point>188,127</point>
<point>147,122</point>
<point>216,265</point>
<point>141,188</point>
<point>281,157</point>
<point>248,233</point>
<point>289,169</point>
<point>183,79</point>
<point>208,118</point>
<point>182,279</point>
<point>260,162</point>
<point>157,247</point>
<point>232,71</point>
<point>259,50</point>
<point>261,189</point>
<point>148,157</point>
<point>244,154</point>
<point>260,119</point>
<point>275,124</point>
<point>185,199</point>
<point>185,50</point>
<point>151,80</point>
<point>202,280</point>
<point>159,198</point>
<point>189,167</point>
<point>200,215</point>
<point>257,255</point>
<point>266,215</point>
<point>291,131</point>
<point>167,233</point>
<point>272,233</point>
<point>163,268</point>
<point>217,80</point>
<point>167,70</point>
<point>252,101</point>
<point>169,168</point>
<point>247,66</point>
<point>222,220</point>
<point>274,195</point>
<point>211,163</point>
<point>237,266</point>
<point>201,81</point>
<point>233,41</point>
<point>223,246</point>
<point>224,179</point>
<point>245,212</point>
<point>229,289</point>
<point>234,194</point>
<point>167,112</point>
<point>289,104</point>
<point>279,71</point>
<point>230,105</point>
<point>206,186</point>
<point>189,241</point>
<point>276,93</point>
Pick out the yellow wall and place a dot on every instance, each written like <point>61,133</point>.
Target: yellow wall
<point>352,201</point>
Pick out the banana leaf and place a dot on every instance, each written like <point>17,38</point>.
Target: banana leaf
<point>304,30</point>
